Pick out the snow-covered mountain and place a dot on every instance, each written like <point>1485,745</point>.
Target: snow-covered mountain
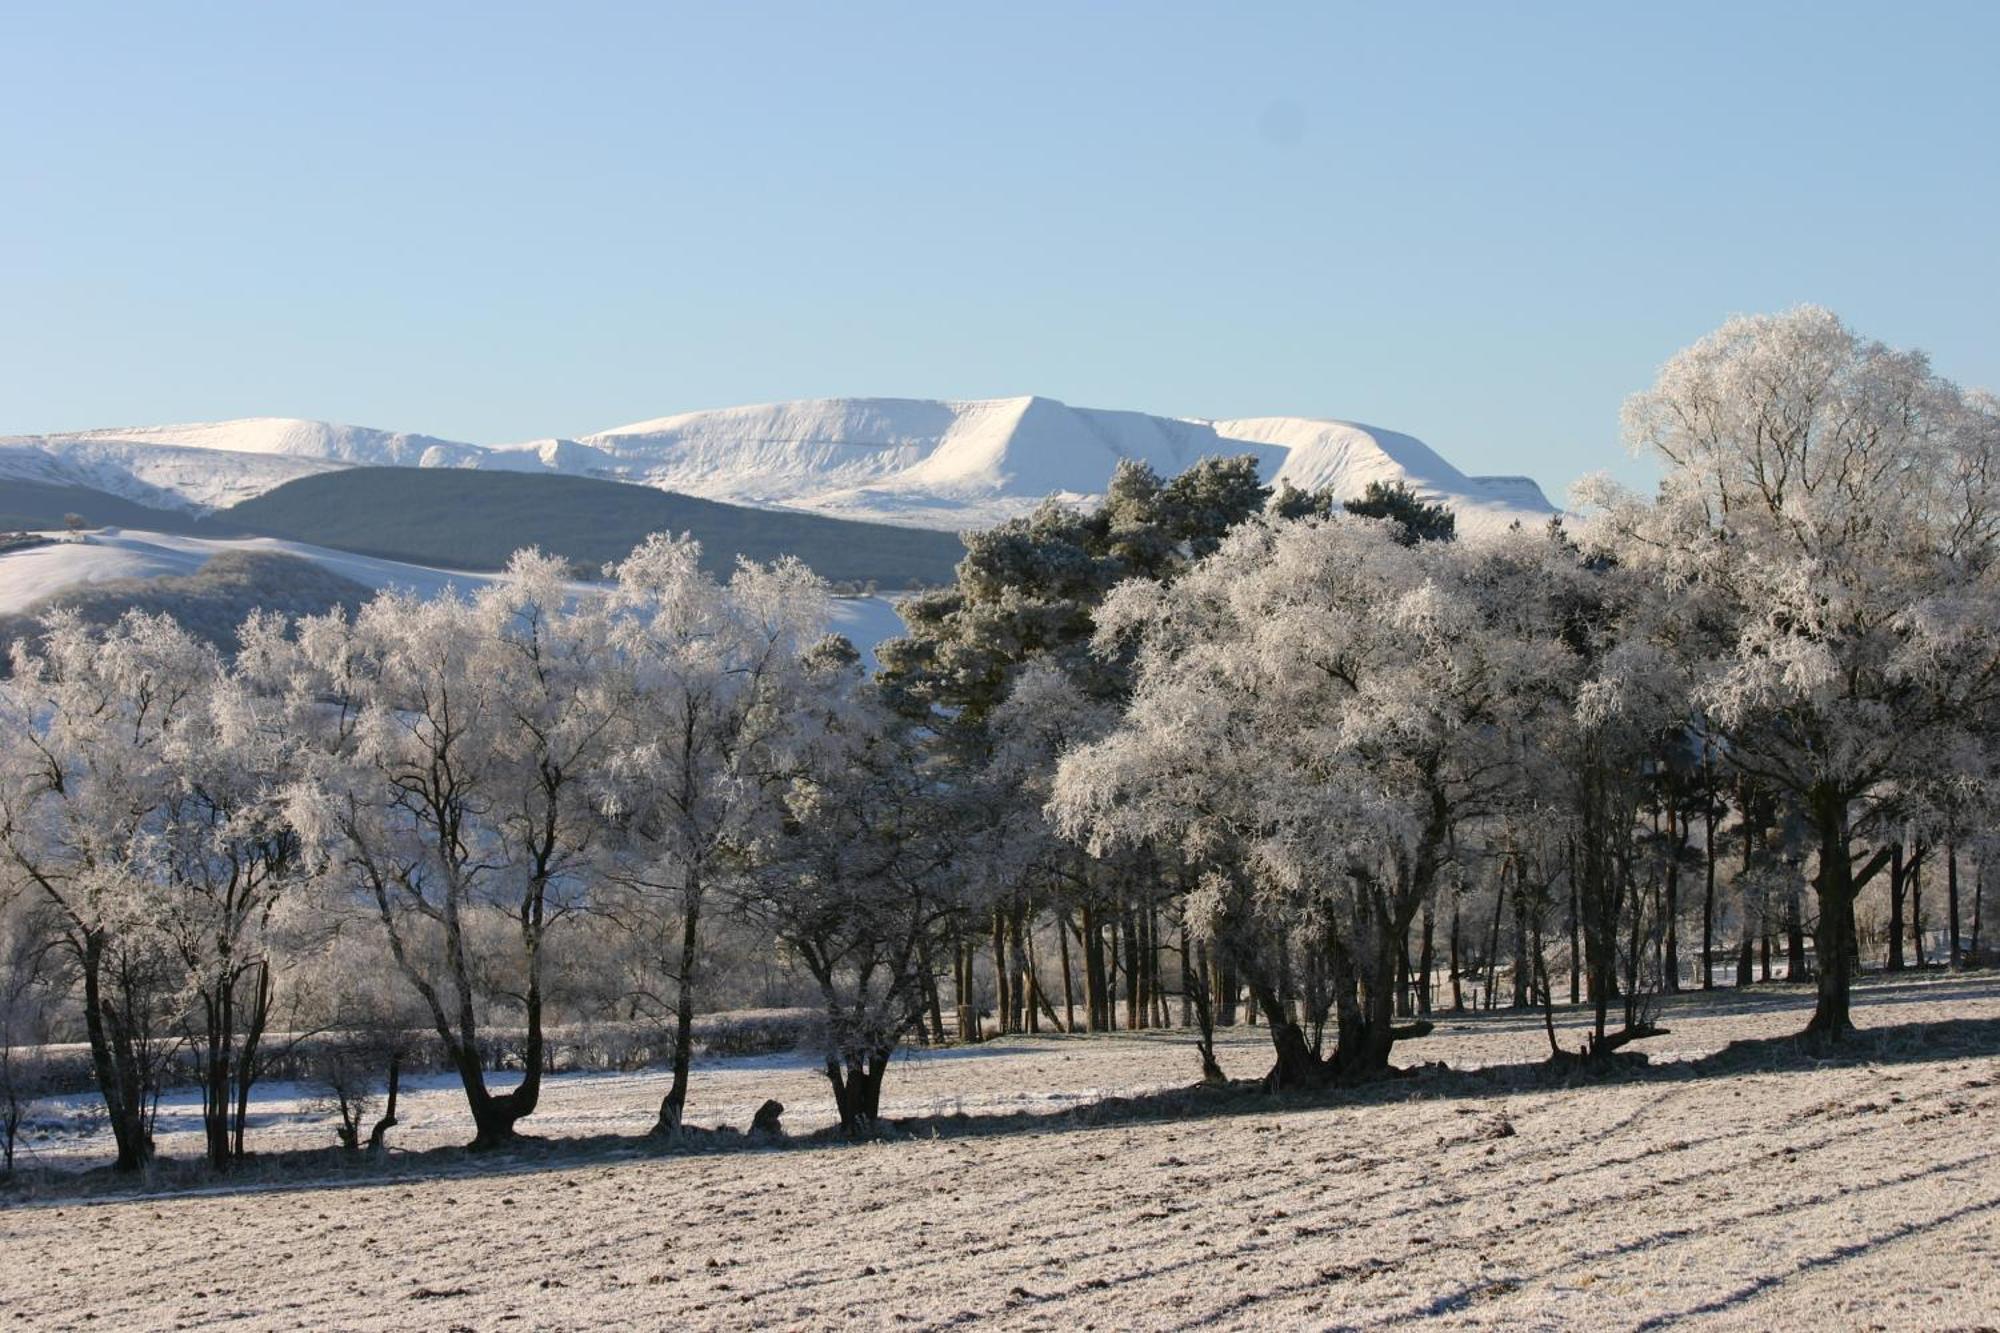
<point>920,462</point>
<point>969,464</point>
<point>216,464</point>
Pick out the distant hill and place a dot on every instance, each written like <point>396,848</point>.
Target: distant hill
<point>27,505</point>
<point>474,519</point>
<point>211,602</point>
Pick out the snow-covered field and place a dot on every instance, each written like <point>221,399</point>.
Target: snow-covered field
<point>1768,1192</point>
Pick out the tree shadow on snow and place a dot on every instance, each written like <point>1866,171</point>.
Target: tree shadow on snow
<point>332,1168</point>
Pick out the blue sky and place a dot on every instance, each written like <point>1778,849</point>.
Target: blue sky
<point>1480,224</point>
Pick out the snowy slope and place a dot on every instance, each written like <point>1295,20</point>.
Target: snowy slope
<point>926,463</point>
<point>28,576</point>
<point>215,464</point>
<point>164,476</point>
<point>1347,457</point>
<point>943,464</point>
<point>283,436</point>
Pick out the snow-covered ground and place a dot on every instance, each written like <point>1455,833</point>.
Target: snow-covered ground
<point>1773,1193</point>
<point>953,464</point>
<point>1028,1075</point>
<point>114,553</point>
<point>27,576</point>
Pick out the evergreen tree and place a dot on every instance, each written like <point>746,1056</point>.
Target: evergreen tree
<point>1421,520</point>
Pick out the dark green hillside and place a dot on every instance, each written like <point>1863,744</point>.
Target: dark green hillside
<point>464,519</point>
<point>39,504</point>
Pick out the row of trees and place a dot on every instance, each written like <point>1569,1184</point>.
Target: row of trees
<point>1215,744</point>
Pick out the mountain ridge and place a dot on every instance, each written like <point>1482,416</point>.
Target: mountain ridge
<point>942,464</point>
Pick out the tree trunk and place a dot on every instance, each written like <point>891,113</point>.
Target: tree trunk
<point>380,1133</point>
<point>1978,908</point>
<point>1294,1065</point>
<point>1670,910</point>
<point>506,1110</point>
<point>1427,959</point>
<point>1187,977</point>
<point>118,1082</point>
<point>1917,907</point>
<point>674,1105</point>
<point>1457,987</point>
<point>1575,923</point>
<point>1094,992</point>
<point>1161,1015</point>
<point>1709,817</point>
<point>1708,906</point>
<point>1831,1020</point>
<point>1598,893</point>
<point>1069,985</point>
<point>1204,1009</point>
<point>1368,1029</point>
<point>933,1008</point>
<point>857,1089</point>
<point>1493,942</point>
<point>1898,885</point>
<point>1142,962</point>
<point>1020,943</point>
<point>1003,983</point>
<point>1957,959</point>
<point>968,998</point>
<point>1521,973</point>
<point>1127,929</point>
<point>1635,950</point>
<point>1113,969</point>
<point>1043,1005</point>
<point>1035,989</point>
<point>218,1019</point>
<point>246,1064</point>
<point>1795,937</point>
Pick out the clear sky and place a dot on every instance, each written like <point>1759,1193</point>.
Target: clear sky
<point>1483,224</point>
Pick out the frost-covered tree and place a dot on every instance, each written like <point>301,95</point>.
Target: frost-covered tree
<point>463,748</point>
<point>28,986</point>
<point>226,859</point>
<point>1025,599</point>
<point>368,1019</point>
<point>715,700</point>
<point>861,877</point>
<point>93,730</point>
<point>1316,707</point>
<point>1597,761</point>
<point>1021,857</point>
<point>1844,501</point>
